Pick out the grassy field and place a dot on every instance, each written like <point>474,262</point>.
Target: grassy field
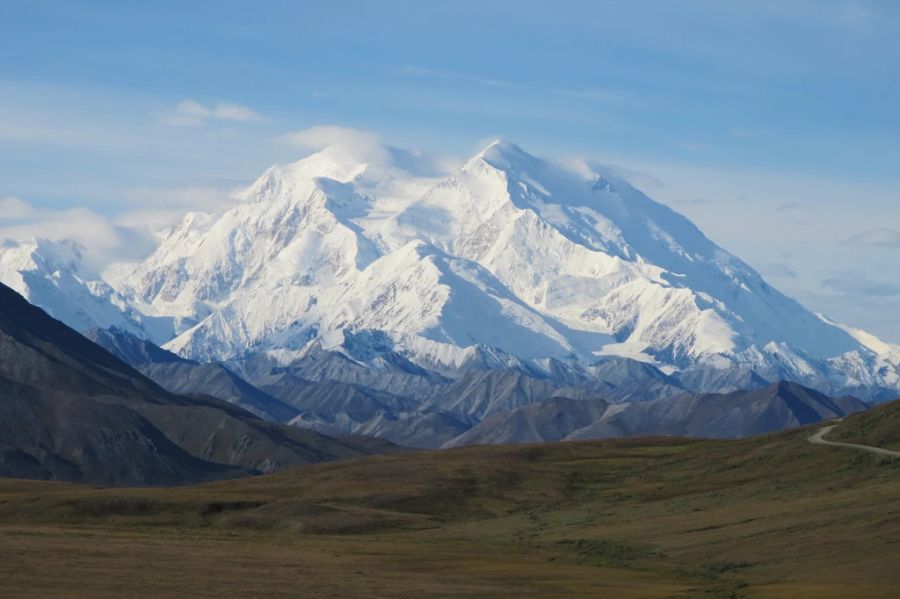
<point>766,517</point>
<point>879,427</point>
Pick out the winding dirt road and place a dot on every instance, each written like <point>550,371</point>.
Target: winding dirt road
<point>818,438</point>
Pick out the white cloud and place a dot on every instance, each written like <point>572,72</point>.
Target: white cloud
<point>13,208</point>
<point>190,113</point>
<point>104,240</point>
<point>365,146</point>
<point>158,208</point>
<point>323,136</point>
<point>190,197</point>
<point>235,112</point>
<point>125,236</point>
<point>368,147</point>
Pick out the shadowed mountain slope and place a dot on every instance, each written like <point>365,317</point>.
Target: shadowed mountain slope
<point>186,377</point>
<point>70,410</point>
<point>743,413</point>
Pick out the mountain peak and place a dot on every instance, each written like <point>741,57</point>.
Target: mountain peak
<point>334,162</point>
<point>500,144</point>
<point>537,259</point>
<point>505,155</point>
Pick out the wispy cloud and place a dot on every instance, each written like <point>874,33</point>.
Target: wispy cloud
<point>127,235</point>
<point>154,208</point>
<point>749,133</point>
<point>190,113</point>
<point>694,202</point>
<point>788,206</point>
<point>778,270</point>
<point>235,112</point>
<point>693,146</point>
<point>854,283</point>
<point>188,197</point>
<point>13,208</point>
<point>41,135</point>
<point>323,136</point>
<point>369,147</point>
<point>639,178</point>
<point>881,237</point>
<point>855,14</point>
<point>611,95</point>
<point>418,71</point>
<point>104,240</point>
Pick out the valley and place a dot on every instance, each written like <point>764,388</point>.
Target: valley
<point>770,516</point>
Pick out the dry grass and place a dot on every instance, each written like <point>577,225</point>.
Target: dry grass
<point>767,517</point>
<point>879,426</point>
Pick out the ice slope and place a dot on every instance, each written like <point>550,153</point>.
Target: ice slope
<point>589,248</point>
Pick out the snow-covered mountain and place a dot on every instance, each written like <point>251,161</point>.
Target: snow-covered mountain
<point>49,274</point>
<point>510,261</point>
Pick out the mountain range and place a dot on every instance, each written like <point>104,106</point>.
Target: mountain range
<point>509,261</point>
<point>490,406</point>
<point>344,293</point>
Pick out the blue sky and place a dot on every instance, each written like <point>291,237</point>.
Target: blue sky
<point>774,125</point>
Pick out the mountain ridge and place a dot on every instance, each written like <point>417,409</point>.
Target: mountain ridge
<point>510,257</point>
<point>70,410</point>
<point>334,395</point>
